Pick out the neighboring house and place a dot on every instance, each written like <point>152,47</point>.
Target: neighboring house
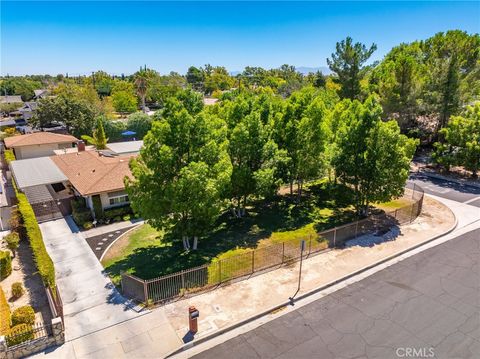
<point>38,144</point>
<point>124,148</point>
<point>42,93</point>
<point>27,110</point>
<point>95,174</point>
<point>11,99</point>
<point>208,101</point>
<point>44,185</point>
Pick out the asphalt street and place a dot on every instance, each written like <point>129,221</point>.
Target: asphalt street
<point>446,189</point>
<point>427,306</point>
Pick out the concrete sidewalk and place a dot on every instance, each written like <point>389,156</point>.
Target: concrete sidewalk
<point>161,331</point>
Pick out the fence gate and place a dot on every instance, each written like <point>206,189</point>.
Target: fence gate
<point>134,288</point>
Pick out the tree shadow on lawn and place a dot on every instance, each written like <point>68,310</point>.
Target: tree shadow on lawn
<point>324,204</point>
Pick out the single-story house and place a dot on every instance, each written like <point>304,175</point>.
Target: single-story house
<point>96,174</point>
<point>45,186</point>
<point>38,144</point>
<point>27,110</point>
<point>11,99</point>
<point>41,93</point>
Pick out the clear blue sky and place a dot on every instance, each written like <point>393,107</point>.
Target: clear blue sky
<point>119,36</point>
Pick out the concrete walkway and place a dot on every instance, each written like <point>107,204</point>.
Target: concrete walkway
<point>107,228</point>
<point>91,302</point>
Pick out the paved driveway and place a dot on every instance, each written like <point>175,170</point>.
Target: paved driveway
<point>446,189</point>
<point>427,304</point>
<point>90,300</point>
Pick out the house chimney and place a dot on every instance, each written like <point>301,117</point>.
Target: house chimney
<point>80,146</point>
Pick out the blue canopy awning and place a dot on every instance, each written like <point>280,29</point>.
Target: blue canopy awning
<point>129,133</point>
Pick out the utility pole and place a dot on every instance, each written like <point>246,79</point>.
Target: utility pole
<point>302,248</point>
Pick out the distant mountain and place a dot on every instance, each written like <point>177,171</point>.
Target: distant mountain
<point>302,69</point>
<point>305,70</point>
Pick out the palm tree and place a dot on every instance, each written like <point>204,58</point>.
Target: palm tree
<point>141,85</point>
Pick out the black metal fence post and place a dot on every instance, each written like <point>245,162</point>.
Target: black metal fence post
<point>220,271</point>
<point>253,262</point>
<point>145,290</point>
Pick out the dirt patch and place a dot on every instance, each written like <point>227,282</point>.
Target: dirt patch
<point>25,272</point>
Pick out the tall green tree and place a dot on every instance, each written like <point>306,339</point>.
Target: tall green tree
<point>124,102</point>
<point>141,85</point>
<point>348,65</point>
<point>182,174</point>
<point>449,57</point>
<point>78,116</point>
<point>98,139</point>
<point>372,156</point>
<point>398,82</point>
<point>255,157</point>
<point>462,141</point>
<point>195,77</point>
<point>140,123</point>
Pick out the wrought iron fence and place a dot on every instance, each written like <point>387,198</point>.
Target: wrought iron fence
<point>26,333</point>
<point>199,279</point>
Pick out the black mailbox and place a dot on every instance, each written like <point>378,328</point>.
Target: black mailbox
<point>195,314</point>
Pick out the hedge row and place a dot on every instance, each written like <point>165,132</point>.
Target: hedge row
<point>40,254</point>
<point>4,314</point>
<point>5,264</point>
<point>9,156</point>
<point>111,213</point>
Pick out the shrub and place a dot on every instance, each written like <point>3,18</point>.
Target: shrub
<point>17,290</point>
<point>23,315</point>
<point>19,334</point>
<point>117,211</point>
<point>126,217</point>
<point>97,206</point>
<point>117,218</point>
<point>80,213</point>
<point>14,221</point>
<point>42,259</point>
<point>4,314</point>
<point>12,240</point>
<point>9,156</point>
<point>87,225</point>
<point>5,264</point>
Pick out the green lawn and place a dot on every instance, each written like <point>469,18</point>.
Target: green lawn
<point>147,253</point>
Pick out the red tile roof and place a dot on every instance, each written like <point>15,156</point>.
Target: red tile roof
<point>91,173</point>
<point>38,138</point>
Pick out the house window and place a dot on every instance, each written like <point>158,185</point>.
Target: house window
<point>117,198</point>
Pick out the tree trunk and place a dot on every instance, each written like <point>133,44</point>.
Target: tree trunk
<point>291,187</point>
<point>143,105</point>
<point>186,243</point>
<point>299,190</point>
<point>195,243</point>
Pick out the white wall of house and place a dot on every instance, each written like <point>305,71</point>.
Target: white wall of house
<point>35,151</point>
<point>113,199</point>
<point>106,198</point>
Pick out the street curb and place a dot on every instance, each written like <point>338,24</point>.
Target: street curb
<point>448,179</point>
<point>312,292</point>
